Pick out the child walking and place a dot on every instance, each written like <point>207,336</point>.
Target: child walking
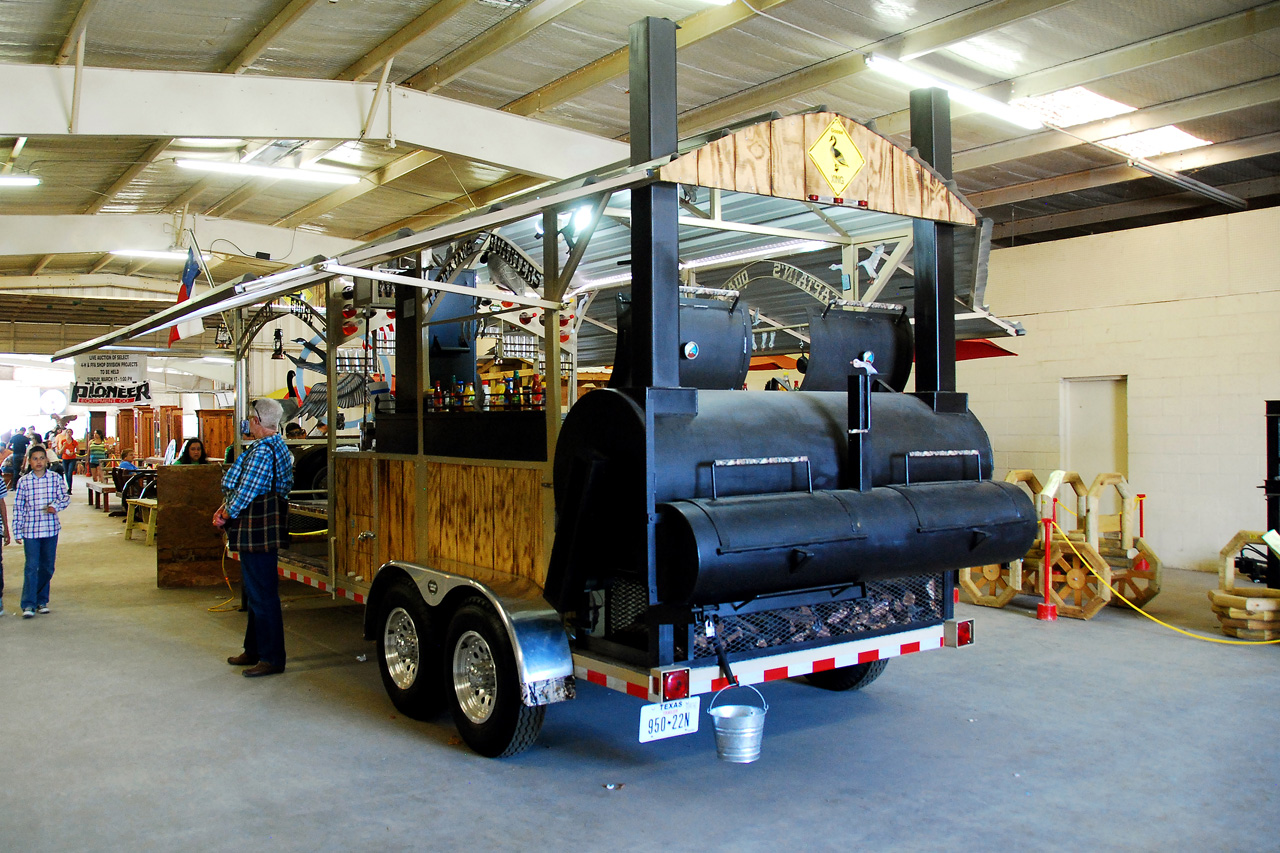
<point>4,517</point>
<point>40,497</point>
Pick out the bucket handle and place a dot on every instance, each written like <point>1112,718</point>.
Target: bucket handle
<point>732,686</point>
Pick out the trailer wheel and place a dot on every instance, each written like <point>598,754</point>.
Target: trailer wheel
<point>853,677</point>
<point>486,697</point>
<point>408,653</point>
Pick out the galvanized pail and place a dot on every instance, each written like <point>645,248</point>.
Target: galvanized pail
<point>739,728</point>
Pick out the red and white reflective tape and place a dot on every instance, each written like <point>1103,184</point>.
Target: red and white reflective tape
<point>645,684</point>
<point>322,585</point>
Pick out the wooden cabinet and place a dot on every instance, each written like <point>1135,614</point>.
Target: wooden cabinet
<point>169,426</point>
<point>144,432</point>
<point>124,430</point>
<point>216,430</point>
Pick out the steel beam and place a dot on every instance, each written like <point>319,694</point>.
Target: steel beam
<point>156,104</point>
<point>692,29</point>
<point>965,25</point>
<point>269,33</point>
<point>495,39</point>
<point>419,27</point>
<point>933,255</point>
<point>1230,99</point>
<point>87,234</point>
<point>388,173</point>
<point>78,26</point>
<point>1128,210</point>
<point>458,205</point>
<point>1181,161</point>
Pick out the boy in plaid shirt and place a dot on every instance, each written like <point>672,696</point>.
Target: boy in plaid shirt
<point>40,497</point>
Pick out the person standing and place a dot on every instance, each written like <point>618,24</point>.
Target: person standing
<point>68,449</point>
<point>4,516</point>
<point>254,516</point>
<point>97,451</point>
<point>40,497</point>
<point>18,444</point>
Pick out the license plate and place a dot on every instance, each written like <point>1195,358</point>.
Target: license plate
<point>669,719</point>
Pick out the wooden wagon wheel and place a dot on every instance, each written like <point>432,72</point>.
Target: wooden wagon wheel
<point>1139,581</point>
<point>994,585</point>
<point>1078,592</point>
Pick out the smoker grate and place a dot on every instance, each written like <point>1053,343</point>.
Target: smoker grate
<point>625,603</point>
<point>887,604</point>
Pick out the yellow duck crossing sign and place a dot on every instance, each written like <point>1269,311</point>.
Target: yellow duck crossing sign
<point>836,157</point>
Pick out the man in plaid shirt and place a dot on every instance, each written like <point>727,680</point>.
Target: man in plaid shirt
<point>40,497</point>
<point>255,487</point>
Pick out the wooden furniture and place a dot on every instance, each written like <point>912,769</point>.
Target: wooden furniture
<point>189,549</point>
<point>148,507</point>
<point>217,430</point>
<point>125,430</point>
<point>144,431</point>
<point>100,495</point>
<point>1248,612</point>
<point>169,426</point>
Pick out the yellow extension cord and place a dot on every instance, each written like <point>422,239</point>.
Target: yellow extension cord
<point>223,608</point>
<point>1190,634</point>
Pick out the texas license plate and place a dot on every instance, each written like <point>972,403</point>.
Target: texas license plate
<point>669,719</point>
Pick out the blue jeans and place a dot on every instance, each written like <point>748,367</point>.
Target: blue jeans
<point>68,471</point>
<point>264,635</point>
<point>40,555</point>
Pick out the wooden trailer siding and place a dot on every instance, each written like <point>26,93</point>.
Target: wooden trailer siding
<point>488,516</point>
<point>772,158</point>
<point>449,515</point>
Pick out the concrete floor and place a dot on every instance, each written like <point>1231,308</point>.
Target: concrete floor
<point>121,728</point>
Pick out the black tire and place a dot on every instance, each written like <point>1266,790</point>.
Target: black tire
<point>409,653</point>
<point>483,685</point>
<point>853,677</point>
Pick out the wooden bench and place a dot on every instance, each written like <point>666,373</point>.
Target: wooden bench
<point>100,495</point>
<point>149,506</point>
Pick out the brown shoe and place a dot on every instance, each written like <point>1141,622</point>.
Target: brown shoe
<point>242,659</point>
<point>262,668</point>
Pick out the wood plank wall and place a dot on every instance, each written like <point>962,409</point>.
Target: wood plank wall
<point>486,516</point>
<point>772,158</point>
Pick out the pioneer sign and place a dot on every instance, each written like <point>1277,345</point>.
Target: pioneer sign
<point>111,378</point>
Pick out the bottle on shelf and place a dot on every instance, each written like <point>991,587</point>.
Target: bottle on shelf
<point>516,391</point>
<point>484,391</point>
<point>469,397</point>
<point>507,393</point>
<point>437,397</point>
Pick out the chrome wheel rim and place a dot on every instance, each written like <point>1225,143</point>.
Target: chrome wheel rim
<point>475,677</point>
<point>400,648</point>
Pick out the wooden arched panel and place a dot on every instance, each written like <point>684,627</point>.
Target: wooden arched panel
<point>772,158</point>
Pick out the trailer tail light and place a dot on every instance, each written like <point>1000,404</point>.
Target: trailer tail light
<point>958,633</point>
<point>675,685</point>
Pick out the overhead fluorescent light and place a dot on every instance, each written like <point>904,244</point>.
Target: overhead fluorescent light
<point>791,247</point>
<point>157,254</point>
<point>248,169</point>
<point>1154,142</point>
<point>919,79</point>
<point>19,181</point>
<point>1070,107</point>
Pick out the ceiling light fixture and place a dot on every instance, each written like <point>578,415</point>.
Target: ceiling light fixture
<point>920,80</point>
<point>275,172</point>
<point>19,181</point>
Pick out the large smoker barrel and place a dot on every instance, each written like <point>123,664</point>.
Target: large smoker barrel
<point>608,425</point>
<point>772,522</point>
<point>735,548</point>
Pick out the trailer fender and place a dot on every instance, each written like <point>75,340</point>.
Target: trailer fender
<point>543,659</point>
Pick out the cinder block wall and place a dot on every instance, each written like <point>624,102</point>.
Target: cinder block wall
<point>1190,313</point>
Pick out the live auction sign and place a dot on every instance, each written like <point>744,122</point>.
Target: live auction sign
<point>111,377</point>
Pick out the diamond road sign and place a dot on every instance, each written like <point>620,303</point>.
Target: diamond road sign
<point>836,157</point>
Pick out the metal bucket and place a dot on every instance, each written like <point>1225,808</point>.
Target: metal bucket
<point>739,728</point>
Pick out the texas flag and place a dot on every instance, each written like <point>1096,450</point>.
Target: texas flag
<point>189,273</point>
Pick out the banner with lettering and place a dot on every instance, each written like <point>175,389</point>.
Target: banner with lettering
<point>106,378</point>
